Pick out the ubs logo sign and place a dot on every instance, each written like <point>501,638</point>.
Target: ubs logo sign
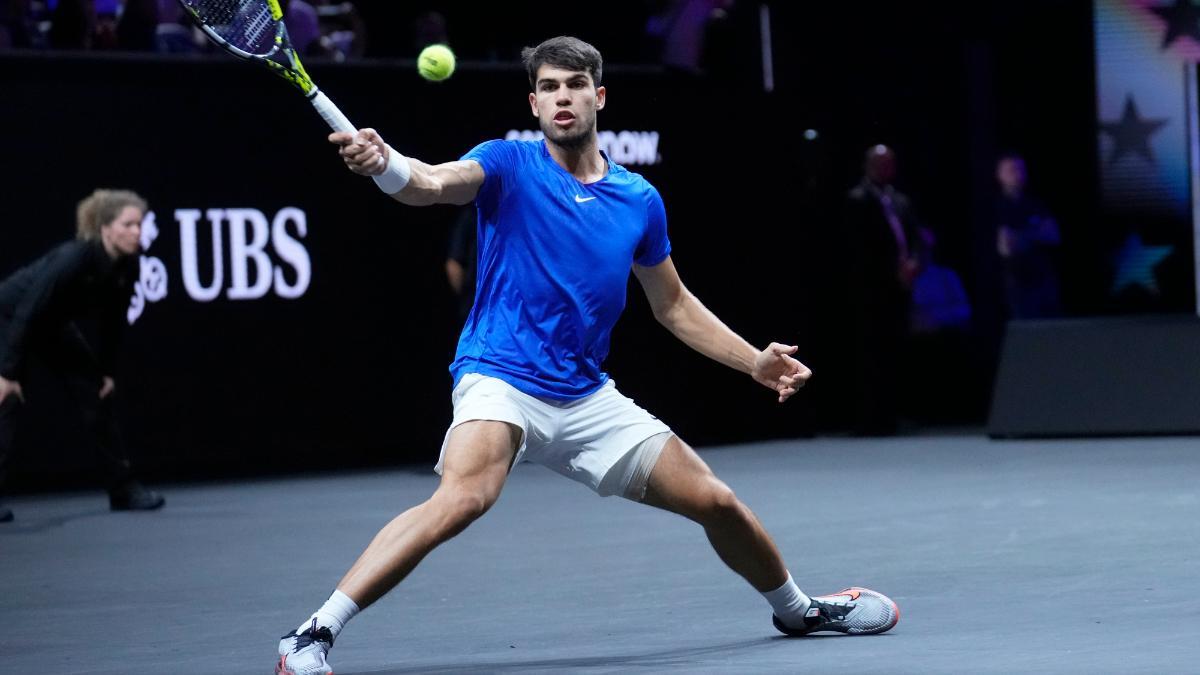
<point>241,236</point>
<point>151,285</point>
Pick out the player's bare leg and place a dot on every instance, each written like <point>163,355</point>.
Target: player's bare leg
<point>478,457</point>
<point>682,483</point>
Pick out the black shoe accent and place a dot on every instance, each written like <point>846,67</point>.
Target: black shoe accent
<point>829,612</point>
<point>133,496</point>
<point>310,635</point>
<point>6,515</point>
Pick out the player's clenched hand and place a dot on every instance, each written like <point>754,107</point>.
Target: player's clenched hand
<point>775,369</point>
<point>364,151</point>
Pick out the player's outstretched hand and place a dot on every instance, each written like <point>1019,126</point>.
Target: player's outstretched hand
<point>364,151</point>
<point>775,369</point>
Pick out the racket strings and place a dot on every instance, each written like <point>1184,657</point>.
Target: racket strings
<point>245,24</point>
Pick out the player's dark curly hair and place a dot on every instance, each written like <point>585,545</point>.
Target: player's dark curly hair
<point>563,52</point>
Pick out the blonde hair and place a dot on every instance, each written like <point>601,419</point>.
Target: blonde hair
<point>101,208</point>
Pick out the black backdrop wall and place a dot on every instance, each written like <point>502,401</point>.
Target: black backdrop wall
<point>353,370</point>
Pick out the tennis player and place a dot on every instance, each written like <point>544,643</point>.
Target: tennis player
<point>560,226</point>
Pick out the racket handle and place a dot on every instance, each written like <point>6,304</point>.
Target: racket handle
<point>333,117</point>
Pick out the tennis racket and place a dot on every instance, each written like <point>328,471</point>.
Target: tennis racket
<point>254,30</point>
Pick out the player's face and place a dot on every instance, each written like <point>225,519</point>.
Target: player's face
<point>122,236</point>
<point>565,103</point>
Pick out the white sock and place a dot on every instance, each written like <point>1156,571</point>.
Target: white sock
<point>789,603</point>
<point>334,614</point>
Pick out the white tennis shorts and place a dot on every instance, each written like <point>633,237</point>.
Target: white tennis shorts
<point>602,435</point>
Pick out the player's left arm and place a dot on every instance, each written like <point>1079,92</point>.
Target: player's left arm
<point>689,320</point>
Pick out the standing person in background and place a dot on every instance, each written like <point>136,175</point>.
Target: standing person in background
<point>73,25</point>
<point>138,25</point>
<point>1027,238</point>
<point>40,305</point>
<point>17,25</point>
<point>885,244</point>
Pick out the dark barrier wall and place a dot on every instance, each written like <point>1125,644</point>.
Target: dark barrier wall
<point>306,320</point>
<point>1091,377</point>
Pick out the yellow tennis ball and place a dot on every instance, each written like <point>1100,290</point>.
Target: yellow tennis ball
<point>436,63</point>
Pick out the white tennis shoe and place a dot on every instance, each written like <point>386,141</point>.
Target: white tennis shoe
<point>304,653</point>
<point>854,611</point>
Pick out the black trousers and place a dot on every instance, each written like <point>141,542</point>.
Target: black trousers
<point>70,366</point>
<point>881,344</point>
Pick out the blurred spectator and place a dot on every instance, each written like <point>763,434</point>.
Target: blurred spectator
<point>343,31</point>
<point>303,25</point>
<point>316,27</point>
<point>1026,239</point>
<point>885,249</point>
<point>73,24</point>
<point>682,27</point>
<point>16,24</point>
<point>105,34</point>
<point>429,29</point>
<point>138,25</point>
<point>175,33</point>
<point>939,299</point>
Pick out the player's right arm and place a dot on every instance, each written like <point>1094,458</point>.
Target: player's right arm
<point>366,154</point>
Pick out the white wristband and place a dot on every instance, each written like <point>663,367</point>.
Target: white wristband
<point>396,175</point>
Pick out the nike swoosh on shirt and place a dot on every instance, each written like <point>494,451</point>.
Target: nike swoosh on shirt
<point>580,200</point>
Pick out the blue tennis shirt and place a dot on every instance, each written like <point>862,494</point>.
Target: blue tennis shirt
<point>554,261</point>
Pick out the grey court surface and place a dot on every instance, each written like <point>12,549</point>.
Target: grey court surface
<point>1074,556</point>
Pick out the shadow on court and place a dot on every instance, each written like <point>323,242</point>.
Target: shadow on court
<point>39,525</point>
<point>670,658</point>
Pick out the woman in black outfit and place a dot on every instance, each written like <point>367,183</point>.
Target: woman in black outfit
<point>40,305</point>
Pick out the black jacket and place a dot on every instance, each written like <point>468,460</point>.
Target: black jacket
<point>45,299</point>
<point>873,248</point>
